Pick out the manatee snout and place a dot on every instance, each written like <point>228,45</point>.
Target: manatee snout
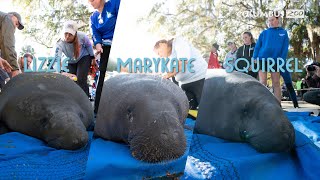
<point>276,134</point>
<point>66,131</point>
<point>158,144</point>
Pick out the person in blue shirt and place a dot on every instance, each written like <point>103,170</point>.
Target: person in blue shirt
<point>103,22</point>
<point>272,43</point>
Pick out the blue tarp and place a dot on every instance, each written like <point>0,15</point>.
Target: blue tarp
<point>25,157</point>
<point>214,158</point>
<point>110,160</point>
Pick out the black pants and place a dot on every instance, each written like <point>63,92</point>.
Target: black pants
<point>3,77</point>
<point>102,68</point>
<point>81,69</point>
<point>193,91</point>
<point>312,97</point>
<point>253,74</point>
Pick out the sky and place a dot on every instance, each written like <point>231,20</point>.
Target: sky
<point>132,40</point>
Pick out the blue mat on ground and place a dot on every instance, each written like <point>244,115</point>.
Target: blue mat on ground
<point>110,160</point>
<point>214,158</point>
<point>25,157</point>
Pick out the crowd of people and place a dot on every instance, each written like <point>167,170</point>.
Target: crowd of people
<point>76,45</point>
<point>272,43</point>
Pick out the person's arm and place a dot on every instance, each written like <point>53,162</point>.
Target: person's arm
<point>172,74</point>
<point>58,54</point>
<point>285,47</point>
<point>96,35</point>
<point>5,65</point>
<point>117,6</point>
<point>183,50</point>
<point>88,46</point>
<point>8,51</point>
<point>90,51</point>
<point>257,46</point>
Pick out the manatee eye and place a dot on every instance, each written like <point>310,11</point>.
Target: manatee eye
<point>245,112</point>
<point>43,121</point>
<point>244,135</point>
<point>129,115</point>
<point>80,115</point>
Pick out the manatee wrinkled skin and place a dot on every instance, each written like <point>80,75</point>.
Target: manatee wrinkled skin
<point>47,106</point>
<point>146,112</point>
<point>239,108</point>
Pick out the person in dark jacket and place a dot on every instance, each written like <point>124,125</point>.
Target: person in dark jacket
<point>313,81</point>
<point>246,51</point>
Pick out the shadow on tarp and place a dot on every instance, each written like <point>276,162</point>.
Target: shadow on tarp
<point>110,160</point>
<point>25,157</point>
<point>214,158</point>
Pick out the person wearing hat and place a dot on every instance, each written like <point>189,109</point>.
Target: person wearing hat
<point>76,46</point>
<point>231,55</point>
<point>8,24</point>
<point>103,22</point>
<point>213,59</point>
<point>29,58</point>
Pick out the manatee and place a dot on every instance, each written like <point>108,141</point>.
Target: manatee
<point>146,112</point>
<point>237,107</point>
<point>47,106</point>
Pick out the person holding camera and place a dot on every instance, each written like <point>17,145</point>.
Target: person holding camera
<point>313,81</point>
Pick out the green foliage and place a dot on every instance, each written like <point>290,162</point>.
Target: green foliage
<point>44,18</point>
<point>112,65</point>
<point>203,22</point>
<point>27,49</point>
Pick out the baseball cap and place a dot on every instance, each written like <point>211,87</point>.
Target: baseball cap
<point>17,15</point>
<point>70,27</point>
<point>216,46</point>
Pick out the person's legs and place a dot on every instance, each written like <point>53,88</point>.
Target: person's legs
<point>312,97</point>
<point>275,77</point>
<point>72,68</point>
<point>3,78</point>
<point>102,68</point>
<point>83,67</point>
<point>193,91</point>
<point>192,99</point>
<point>263,77</point>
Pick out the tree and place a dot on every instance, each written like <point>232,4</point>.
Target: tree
<point>44,18</point>
<point>203,22</point>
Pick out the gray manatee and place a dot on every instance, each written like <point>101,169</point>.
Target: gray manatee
<point>47,106</point>
<point>146,112</point>
<point>237,107</point>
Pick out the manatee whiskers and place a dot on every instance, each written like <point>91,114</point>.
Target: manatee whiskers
<point>151,151</point>
<point>148,116</point>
